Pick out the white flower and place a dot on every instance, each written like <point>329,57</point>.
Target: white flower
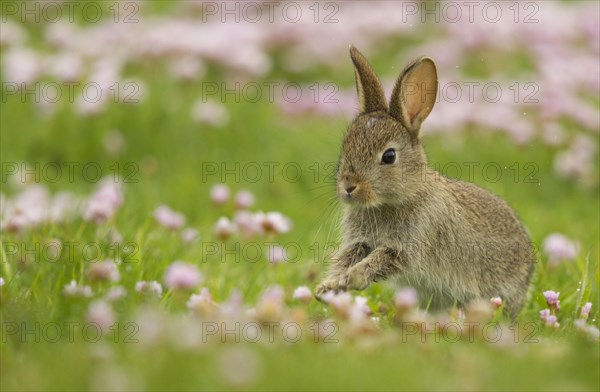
<point>149,288</point>
<point>74,290</point>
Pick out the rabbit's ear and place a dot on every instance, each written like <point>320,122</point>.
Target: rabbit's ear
<point>370,92</point>
<point>414,94</point>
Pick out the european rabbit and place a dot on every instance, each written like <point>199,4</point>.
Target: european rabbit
<point>451,240</point>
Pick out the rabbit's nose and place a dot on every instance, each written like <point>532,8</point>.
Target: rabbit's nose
<point>350,189</point>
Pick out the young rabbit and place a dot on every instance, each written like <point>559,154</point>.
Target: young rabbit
<point>451,240</point>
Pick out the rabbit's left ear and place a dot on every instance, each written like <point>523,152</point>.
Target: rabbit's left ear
<point>414,94</point>
<point>370,92</point>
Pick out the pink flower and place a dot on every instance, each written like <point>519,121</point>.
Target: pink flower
<point>585,310</point>
<point>219,194</point>
<point>589,331</point>
<point>1,281</point>
<point>340,301</point>
<point>21,66</point>
<point>101,314</point>
<point>359,311</point>
<point>270,305</point>
<point>74,290</point>
<point>549,319</point>
<point>190,235</point>
<point>104,271</point>
<point>275,222</point>
<point>201,303</point>
<point>104,202</point>
<point>169,218</point>
<point>244,199</point>
<point>248,224</point>
<point>496,301</point>
<point>559,248</point>
<point>181,275</point>
<point>552,299</point>
<point>406,299</point>
<point>212,113</point>
<point>153,287</point>
<point>187,68</point>
<point>224,229</point>
<point>116,293</point>
<point>303,294</point>
<point>276,254</point>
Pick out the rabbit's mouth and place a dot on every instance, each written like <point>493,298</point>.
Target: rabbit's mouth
<point>358,194</point>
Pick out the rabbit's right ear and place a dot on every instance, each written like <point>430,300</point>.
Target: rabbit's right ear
<point>370,92</point>
<point>414,94</point>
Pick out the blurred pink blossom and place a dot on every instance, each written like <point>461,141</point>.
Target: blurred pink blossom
<point>104,203</point>
<point>21,66</point>
<point>552,299</point>
<point>181,276</point>
<point>559,248</point>
<point>224,228</point>
<point>101,314</point>
<point>219,194</point>
<point>406,298</point>
<point>201,303</point>
<point>211,113</point>
<point>116,293</point>
<point>249,224</point>
<point>303,294</point>
<point>168,218</point>
<point>75,290</point>
<point>585,310</point>
<point>276,254</point>
<point>274,222</point>
<point>187,68</point>
<point>190,235</point>
<point>152,287</point>
<point>104,271</point>
<point>270,303</point>
<point>244,199</point>
<point>496,301</point>
<point>549,319</point>
<point>591,332</point>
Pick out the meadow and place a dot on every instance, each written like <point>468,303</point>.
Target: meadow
<point>168,202</point>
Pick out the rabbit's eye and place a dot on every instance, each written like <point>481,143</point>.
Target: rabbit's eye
<point>388,157</point>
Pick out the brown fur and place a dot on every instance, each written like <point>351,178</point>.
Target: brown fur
<point>451,240</point>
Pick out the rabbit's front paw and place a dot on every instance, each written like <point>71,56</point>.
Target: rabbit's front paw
<point>356,278</point>
<point>331,283</point>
